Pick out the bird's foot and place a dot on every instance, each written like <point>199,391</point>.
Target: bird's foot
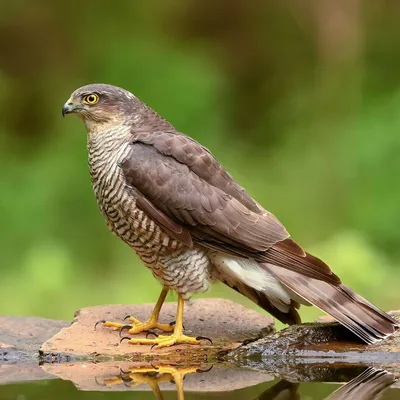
<point>136,376</point>
<point>167,341</point>
<point>137,326</point>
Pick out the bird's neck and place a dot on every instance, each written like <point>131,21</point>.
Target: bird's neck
<point>107,136</point>
<point>149,120</point>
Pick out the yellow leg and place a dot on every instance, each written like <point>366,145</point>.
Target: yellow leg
<point>151,323</point>
<point>137,377</point>
<point>153,376</point>
<point>177,336</point>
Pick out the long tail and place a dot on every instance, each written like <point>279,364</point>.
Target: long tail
<point>280,290</point>
<point>350,309</point>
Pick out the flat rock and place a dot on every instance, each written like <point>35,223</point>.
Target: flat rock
<point>20,339</point>
<point>227,323</point>
<point>26,334</point>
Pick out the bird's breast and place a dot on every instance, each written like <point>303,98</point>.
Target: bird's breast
<point>119,208</point>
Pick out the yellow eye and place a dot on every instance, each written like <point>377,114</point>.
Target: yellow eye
<point>91,99</point>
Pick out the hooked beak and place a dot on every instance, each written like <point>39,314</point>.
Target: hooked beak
<point>68,108</point>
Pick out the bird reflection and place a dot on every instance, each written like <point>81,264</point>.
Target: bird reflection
<point>154,375</point>
<point>369,385</point>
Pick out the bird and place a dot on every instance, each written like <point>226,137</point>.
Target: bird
<point>168,198</point>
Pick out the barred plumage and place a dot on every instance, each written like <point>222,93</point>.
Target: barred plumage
<point>170,200</point>
<point>185,270</point>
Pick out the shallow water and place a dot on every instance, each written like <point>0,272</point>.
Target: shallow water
<point>217,383</point>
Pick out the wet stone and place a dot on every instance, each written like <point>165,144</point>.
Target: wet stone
<point>26,334</point>
<point>20,339</point>
<point>95,360</point>
<point>317,349</point>
<point>228,324</point>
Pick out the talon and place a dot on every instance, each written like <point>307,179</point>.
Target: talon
<point>121,371</point>
<point>125,338</point>
<point>100,384</point>
<point>154,345</point>
<point>151,333</point>
<point>102,321</point>
<point>204,338</point>
<point>124,328</point>
<point>201,371</point>
<point>125,378</point>
<point>125,318</point>
<point>154,366</point>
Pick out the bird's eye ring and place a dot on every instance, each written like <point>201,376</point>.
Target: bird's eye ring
<point>91,99</point>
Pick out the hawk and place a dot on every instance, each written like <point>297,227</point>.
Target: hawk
<point>191,223</point>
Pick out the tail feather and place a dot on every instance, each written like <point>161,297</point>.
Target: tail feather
<point>350,309</point>
<point>251,280</point>
<point>280,291</point>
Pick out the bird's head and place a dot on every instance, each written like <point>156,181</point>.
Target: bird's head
<point>101,104</point>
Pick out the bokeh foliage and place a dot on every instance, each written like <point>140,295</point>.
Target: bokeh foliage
<point>299,100</point>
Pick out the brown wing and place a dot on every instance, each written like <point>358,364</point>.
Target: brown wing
<point>198,158</point>
<point>177,179</point>
<point>206,211</point>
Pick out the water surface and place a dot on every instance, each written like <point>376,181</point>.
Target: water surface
<point>216,383</point>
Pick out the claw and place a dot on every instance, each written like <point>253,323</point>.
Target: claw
<point>97,381</point>
<point>127,317</point>
<point>199,370</point>
<point>123,372</point>
<point>125,338</point>
<point>204,338</point>
<point>154,366</point>
<point>151,332</point>
<point>124,328</point>
<point>125,378</point>
<point>102,321</point>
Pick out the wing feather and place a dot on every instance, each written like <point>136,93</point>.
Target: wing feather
<point>187,199</point>
<point>183,188</point>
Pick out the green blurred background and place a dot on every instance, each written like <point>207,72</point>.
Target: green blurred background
<point>299,100</point>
